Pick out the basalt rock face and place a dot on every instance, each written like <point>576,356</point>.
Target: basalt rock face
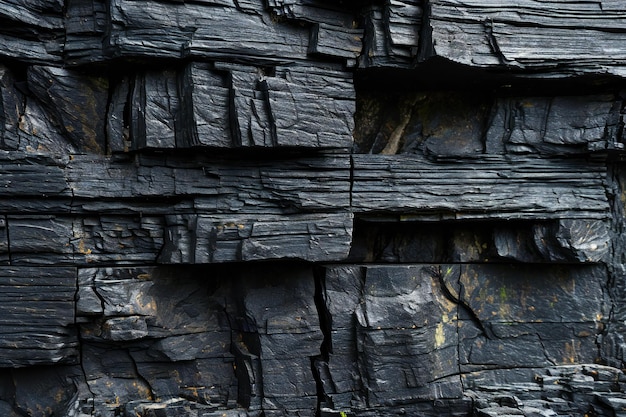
<point>312,208</point>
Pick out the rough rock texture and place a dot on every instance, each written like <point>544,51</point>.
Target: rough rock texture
<point>251,208</point>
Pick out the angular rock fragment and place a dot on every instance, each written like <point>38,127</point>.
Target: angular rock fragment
<point>207,239</point>
<point>137,29</point>
<point>204,111</point>
<point>73,102</point>
<point>337,42</point>
<point>563,40</point>
<point>32,31</point>
<point>405,341</point>
<point>169,353</point>
<point>552,314</point>
<point>286,342</point>
<point>226,105</point>
<point>339,373</point>
<point>85,28</point>
<point>154,105</point>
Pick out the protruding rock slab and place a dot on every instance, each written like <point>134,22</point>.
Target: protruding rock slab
<point>485,187</point>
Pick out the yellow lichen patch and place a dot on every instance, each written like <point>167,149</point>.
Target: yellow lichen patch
<point>503,295</point>
<point>440,337</point>
<point>82,249</point>
<point>114,403</point>
<point>504,311</point>
<point>146,304</point>
<point>176,377</point>
<point>59,396</point>
<point>571,352</point>
<point>143,390</point>
<point>504,308</point>
<point>231,225</point>
<point>444,318</point>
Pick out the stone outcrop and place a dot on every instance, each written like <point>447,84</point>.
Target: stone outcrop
<point>310,208</point>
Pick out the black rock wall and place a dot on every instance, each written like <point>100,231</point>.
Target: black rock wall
<point>277,208</point>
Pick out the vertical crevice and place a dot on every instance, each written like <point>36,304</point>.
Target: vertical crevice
<point>233,117</point>
<point>319,364</point>
<point>458,300</point>
<point>363,380</point>
<point>425,49</point>
<point>107,142</point>
<point>245,347</point>
<point>17,409</point>
<point>141,378</point>
<point>488,120</point>
<point>610,340</point>
<point>4,222</point>
<point>127,134</point>
<point>369,35</point>
<point>351,184</point>
<point>546,120</point>
<point>493,42</point>
<point>545,351</point>
<point>88,403</point>
<point>21,86</point>
<point>620,136</point>
<point>264,90</point>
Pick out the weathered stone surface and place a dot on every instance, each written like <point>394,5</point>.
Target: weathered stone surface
<point>232,318</point>
<point>206,239</point>
<point>556,390</point>
<point>33,31</point>
<point>214,193</point>
<point>406,307</point>
<point>558,312</point>
<point>296,208</point>
<point>404,349</point>
<point>37,310</point>
<point>286,343</point>
<point>528,188</point>
<point>526,36</point>
<point>134,29</point>
<point>227,105</point>
<point>487,311</point>
<point>215,185</point>
<point>172,353</point>
<point>73,102</point>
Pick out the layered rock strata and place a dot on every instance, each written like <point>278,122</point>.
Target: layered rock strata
<point>307,208</point>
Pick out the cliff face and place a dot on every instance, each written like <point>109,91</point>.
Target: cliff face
<point>312,208</point>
